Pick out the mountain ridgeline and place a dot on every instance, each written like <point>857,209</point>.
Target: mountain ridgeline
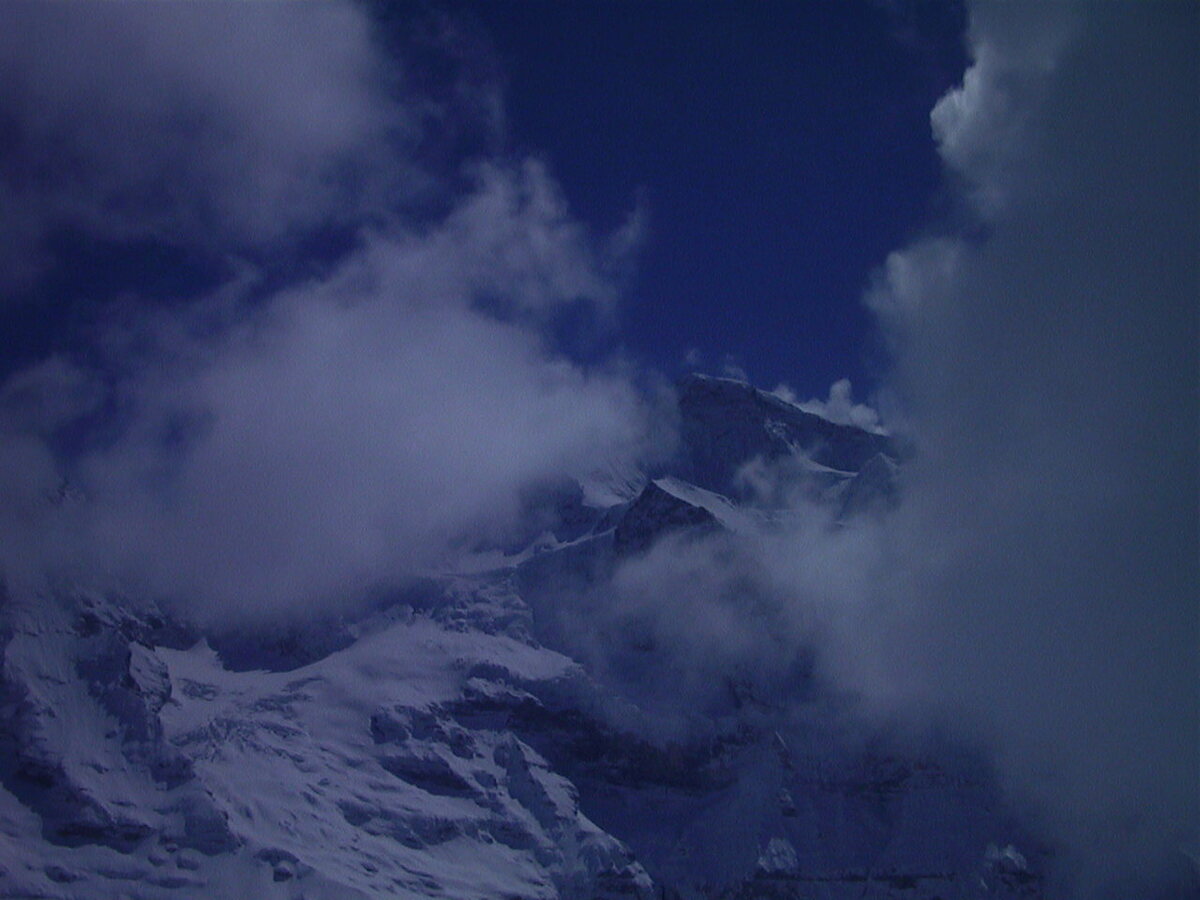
<point>545,726</point>
<point>725,424</point>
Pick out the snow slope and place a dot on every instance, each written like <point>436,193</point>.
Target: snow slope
<point>352,776</point>
<point>455,739</point>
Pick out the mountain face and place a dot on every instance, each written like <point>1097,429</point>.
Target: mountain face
<point>725,424</point>
<point>463,737</point>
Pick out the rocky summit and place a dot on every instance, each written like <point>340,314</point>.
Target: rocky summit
<point>520,729</point>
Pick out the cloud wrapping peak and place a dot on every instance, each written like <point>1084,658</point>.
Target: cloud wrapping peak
<point>1037,590</point>
<point>839,408</point>
<point>1045,583</point>
<point>358,427</point>
<point>265,448</point>
<point>277,444</point>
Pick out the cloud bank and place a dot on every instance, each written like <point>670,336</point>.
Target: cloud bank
<point>277,443</point>
<point>263,446</point>
<point>839,407</point>
<point>1037,590</point>
<point>224,128</point>
<point>1046,585</point>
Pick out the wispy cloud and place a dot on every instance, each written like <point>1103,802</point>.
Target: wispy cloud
<point>226,127</point>
<point>1036,590</point>
<point>260,447</point>
<point>264,447</point>
<point>839,407</point>
<point>1047,544</point>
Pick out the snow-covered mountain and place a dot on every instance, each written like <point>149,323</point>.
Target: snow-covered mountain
<point>725,423</point>
<point>480,735</point>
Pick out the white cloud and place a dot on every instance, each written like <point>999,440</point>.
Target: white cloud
<point>839,408</point>
<point>46,396</point>
<point>356,428</point>
<point>785,393</point>
<point>1037,586</point>
<point>227,127</point>
<point>731,368</point>
<point>1043,581</point>
<point>1035,592</point>
<point>263,448</point>
<point>981,126</point>
<point>514,235</point>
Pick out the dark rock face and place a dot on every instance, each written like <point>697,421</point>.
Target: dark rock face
<point>543,722</point>
<point>653,514</point>
<point>874,489</point>
<point>724,424</point>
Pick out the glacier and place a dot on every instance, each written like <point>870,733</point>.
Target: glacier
<point>473,733</point>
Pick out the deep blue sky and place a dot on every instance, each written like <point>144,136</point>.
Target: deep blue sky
<point>780,150</point>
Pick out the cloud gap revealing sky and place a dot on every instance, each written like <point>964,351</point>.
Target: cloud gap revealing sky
<point>302,298</point>
<point>771,158</point>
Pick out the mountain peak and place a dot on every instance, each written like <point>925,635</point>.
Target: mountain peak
<point>725,424</point>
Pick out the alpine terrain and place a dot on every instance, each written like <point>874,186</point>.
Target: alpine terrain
<point>522,725</point>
